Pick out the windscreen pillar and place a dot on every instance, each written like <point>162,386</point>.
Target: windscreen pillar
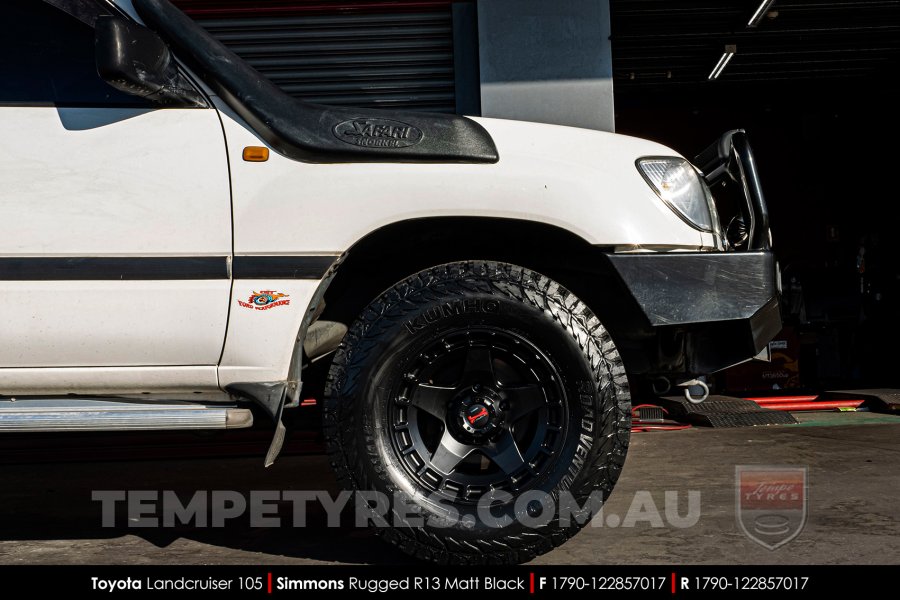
<point>547,62</point>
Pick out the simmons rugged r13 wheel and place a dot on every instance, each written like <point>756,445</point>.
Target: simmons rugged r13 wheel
<point>483,411</point>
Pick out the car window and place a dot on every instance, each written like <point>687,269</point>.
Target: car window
<point>47,58</point>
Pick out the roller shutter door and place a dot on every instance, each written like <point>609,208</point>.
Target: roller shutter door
<point>397,59</point>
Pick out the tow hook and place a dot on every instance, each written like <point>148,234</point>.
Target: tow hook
<point>694,383</point>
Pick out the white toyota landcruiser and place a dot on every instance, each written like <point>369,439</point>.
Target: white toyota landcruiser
<point>473,301</point>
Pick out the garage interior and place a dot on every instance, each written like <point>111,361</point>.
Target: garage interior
<point>809,84</point>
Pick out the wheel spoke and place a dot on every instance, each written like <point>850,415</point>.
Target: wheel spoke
<point>502,405</point>
<point>479,367</point>
<point>505,454</point>
<point>449,453</point>
<point>432,399</point>
<point>523,400</point>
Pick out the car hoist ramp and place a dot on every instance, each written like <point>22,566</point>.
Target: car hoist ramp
<point>723,411</point>
<point>105,414</point>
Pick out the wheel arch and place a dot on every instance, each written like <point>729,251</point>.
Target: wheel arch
<point>389,254</point>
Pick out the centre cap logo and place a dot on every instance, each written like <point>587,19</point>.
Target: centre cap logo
<point>476,413</point>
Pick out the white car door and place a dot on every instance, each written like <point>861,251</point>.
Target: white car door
<point>115,217</point>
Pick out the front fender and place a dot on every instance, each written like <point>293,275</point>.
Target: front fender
<point>579,180</point>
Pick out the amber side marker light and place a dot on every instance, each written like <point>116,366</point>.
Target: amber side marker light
<point>256,154</point>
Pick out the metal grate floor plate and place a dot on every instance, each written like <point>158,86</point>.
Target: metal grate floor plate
<point>723,411</point>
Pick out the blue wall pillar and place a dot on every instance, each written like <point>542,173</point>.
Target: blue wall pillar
<point>547,61</point>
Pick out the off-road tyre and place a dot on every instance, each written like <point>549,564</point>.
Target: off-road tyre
<point>473,303</point>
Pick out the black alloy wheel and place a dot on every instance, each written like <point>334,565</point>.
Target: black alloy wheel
<point>479,409</point>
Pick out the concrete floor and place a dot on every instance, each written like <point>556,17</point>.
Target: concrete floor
<point>47,516</point>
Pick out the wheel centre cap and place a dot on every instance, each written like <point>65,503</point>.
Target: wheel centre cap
<point>479,415</point>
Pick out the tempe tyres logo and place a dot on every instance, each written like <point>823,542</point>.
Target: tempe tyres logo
<point>770,503</point>
<point>265,300</point>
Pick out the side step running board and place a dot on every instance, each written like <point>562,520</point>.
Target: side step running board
<point>107,414</point>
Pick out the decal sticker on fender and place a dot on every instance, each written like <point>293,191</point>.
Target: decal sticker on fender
<point>265,300</point>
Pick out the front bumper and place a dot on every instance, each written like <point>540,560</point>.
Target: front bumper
<point>696,313</point>
<point>723,304</point>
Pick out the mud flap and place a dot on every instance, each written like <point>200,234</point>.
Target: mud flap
<point>270,397</point>
<point>277,443</point>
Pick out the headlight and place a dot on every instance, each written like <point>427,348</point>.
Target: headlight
<point>678,184</point>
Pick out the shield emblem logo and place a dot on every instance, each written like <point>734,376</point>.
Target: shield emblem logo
<point>770,503</point>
